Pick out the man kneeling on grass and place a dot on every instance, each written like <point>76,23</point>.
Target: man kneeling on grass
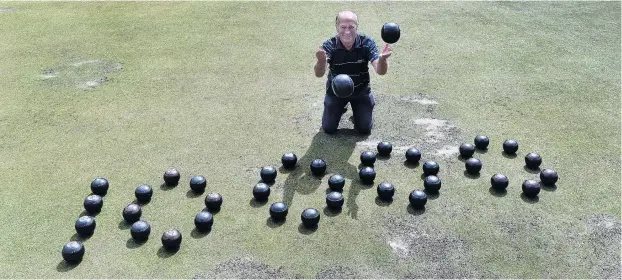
<point>349,52</point>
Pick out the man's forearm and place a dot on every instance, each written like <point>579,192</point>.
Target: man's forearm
<point>320,69</point>
<point>383,66</point>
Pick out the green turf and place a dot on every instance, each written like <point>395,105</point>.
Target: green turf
<point>213,88</point>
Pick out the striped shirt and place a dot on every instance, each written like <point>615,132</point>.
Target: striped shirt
<point>353,62</point>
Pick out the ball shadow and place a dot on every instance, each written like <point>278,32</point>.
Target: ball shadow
<point>306,230</point>
<point>166,253</point>
<point>167,187</point>
<point>133,244</point>
<point>81,238</point>
<point>361,166</point>
<point>270,184</point>
<point>192,194</point>
<point>332,212</point>
<point>141,203</point>
<point>196,233</point>
<point>410,165</point>
<point>532,171</point>
<point>432,195</point>
<point>527,199</point>
<point>87,213</point>
<point>272,223</point>
<point>383,158</point>
<point>284,170</point>
<point>463,159</point>
<point>471,176</point>
<point>64,266</point>
<point>497,192</point>
<point>364,185</point>
<point>415,211</point>
<point>257,203</point>
<point>124,225</point>
<point>481,151</point>
<point>383,203</point>
<point>549,188</point>
<point>510,156</point>
<point>213,211</point>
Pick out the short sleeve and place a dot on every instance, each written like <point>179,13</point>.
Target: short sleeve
<point>328,46</point>
<point>371,49</point>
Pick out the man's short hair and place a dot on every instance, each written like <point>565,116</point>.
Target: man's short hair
<point>356,18</point>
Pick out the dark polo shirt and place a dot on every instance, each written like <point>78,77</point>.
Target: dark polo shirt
<point>353,62</point>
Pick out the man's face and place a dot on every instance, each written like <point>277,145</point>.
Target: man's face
<point>347,31</point>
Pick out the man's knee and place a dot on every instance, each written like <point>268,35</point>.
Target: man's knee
<point>365,130</point>
<point>329,129</point>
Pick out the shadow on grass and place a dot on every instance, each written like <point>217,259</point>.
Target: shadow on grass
<point>532,171</point>
<point>432,195</point>
<point>471,176</point>
<point>81,238</point>
<point>283,170</point>
<point>383,203</point>
<point>415,211</point>
<point>133,244</point>
<point>549,188</point>
<point>272,223</point>
<point>267,183</point>
<point>335,150</point>
<point>481,151</point>
<point>410,165</point>
<point>307,230</point>
<point>167,187</point>
<point>257,203</point>
<point>332,212</point>
<point>192,194</point>
<point>510,156</point>
<point>383,158</point>
<point>361,166</point>
<point>196,233</point>
<point>528,199</point>
<point>497,192</point>
<point>141,203</point>
<point>167,253</point>
<point>87,213</point>
<point>463,159</point>
<point>213,211</point>
<point>64,266</point>
<point>124,225</point>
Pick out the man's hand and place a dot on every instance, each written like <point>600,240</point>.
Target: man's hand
<point>321,55</point>
<point>320,65</point>
<point>386,52</point>
<point>381,65</point>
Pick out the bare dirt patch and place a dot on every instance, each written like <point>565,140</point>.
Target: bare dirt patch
<point>431,252</point>
<point>604,236</point>
<point>7,9</point>
<point>404,120</point>
<point>84,74</point>
<point>244,268</point>
<point>338,272</point>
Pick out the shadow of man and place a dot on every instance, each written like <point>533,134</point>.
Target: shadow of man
<point>335,150</point>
